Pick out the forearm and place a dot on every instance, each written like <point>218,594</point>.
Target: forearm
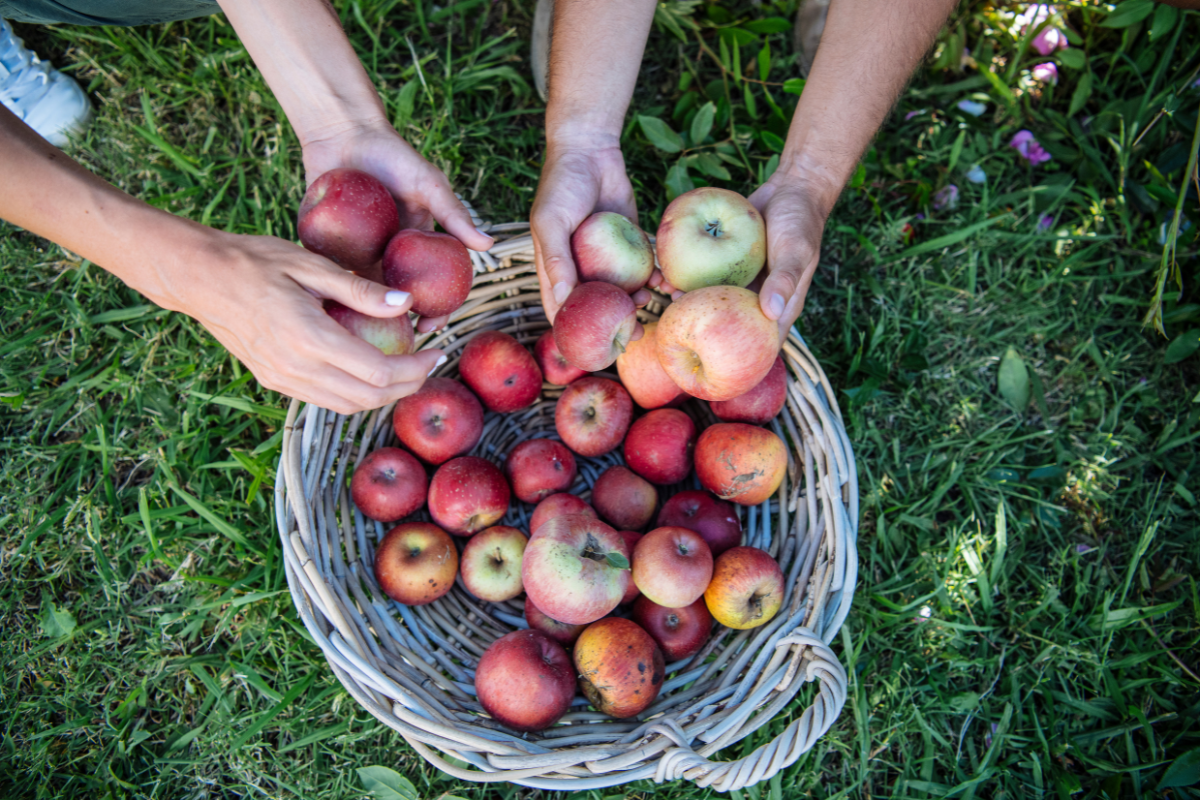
<point>868,51</point>
<point>588,100</point>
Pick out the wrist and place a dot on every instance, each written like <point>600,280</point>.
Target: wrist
<point>820,180</point>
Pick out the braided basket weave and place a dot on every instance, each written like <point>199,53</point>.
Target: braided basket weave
<point>413,667</point>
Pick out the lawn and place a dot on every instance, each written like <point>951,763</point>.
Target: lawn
<point>1028,616</point>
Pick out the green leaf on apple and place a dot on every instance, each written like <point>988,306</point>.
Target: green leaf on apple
<point>660,134</point>
<point>387,784</point>
<point>617,561</point>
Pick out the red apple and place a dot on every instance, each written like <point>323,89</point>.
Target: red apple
<point>594,325</point>
<point>592,415</point>
<point>560,632</point>
<point>388,485</point>
<point>740,462</point>
<point>501,372</point>
<point>624,499</point>
<point>643,375</point>
<point>439,421</point>
<point>716,343</point>
<point>631,539</point>
<point>746,588</point>
<point>491,563</point>
<point>715,520</point>
<point>761,404</point>
<point>680,632</point>
<point>348,216</point>
<point>555,506</point>
<point>610,247</point>
<point>572,569</point>
<point>659,446</point>
<point>525,680</point>
<point>620,667</point>
<point>415,563</point>
<point>711,237</point>
<point>554,367</point>
<point>537,468</point>
<point>468,494</point>
<point>392,335</point>
<point>434,268</point>
<point>672,566</point>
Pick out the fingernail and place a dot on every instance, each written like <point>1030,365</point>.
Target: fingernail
<point>561,292</point>
<point>396,297</point>
<point>441,360</point>
<point>485,233</point>
<point>775,304</point>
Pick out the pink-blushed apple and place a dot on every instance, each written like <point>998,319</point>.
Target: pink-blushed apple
<point>500,371</point>
<point>389,484</point>
<point>491,563</point>
<point>348,217</point>
<point>525,680</point>
<point>557,505</point>
<point>610,247</point>
<point>624,499</point>
<point>434,268</point>
<point>659,446</point>
<point>672,566</point>
<point>575,569</point>
<point>468,494</point>
<point>761,404</point>
<point>715,520</point>
<point>439,421</point>
<point>710,237</point>
<point>594,325</point>
<point>631,539</point>
<point>415,563</point>
<point>739,462</point>
<point>553,365</point>
<point>392,335</point>
<point>560,632</point>
<point>592,415</point>
<point>680,632</point>
<point>716,343</point>
<point>620,667</point>
<point>746,589</point>
<point>642,374</point>
<point>538,468</point>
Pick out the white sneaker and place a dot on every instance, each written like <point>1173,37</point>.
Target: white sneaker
<point>51,103</point>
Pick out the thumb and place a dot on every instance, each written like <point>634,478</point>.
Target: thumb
<point>330,282</point>
<point>452,215</point>
<point>792,264</point>
<point>555,267</point>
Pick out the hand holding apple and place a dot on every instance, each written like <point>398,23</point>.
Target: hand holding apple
<point>392,335</point>
<point>348,216</point>
<point>610,247</point>
<point>711,237</point>
<point>595,325</point>
<point>434,268</point>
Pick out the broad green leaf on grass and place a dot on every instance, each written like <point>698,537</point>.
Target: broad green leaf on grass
<point>1073,58</point>
<point>386,784</point>
<point>678,181</point>
<point>1083,92</point>
<point>1013,380</point>
<point>751,103</point>
<point>1122,617</point>
<point>948,240</point>
<point>956,150</point>
<point>710,165</point>
<point>859,177</point>
<point>1128,13</point>
<point>794,85</point>
<point>772,141</point>
<point>737,36</point>
<point>967,701</point>
<point>768,25</point>
<point>764,61</point>
<point>1184,345</point>
<point>1185,770</point>
<point>675,15</point>
<point>1165,18</point>
<point>405,100</point>
<point>660,134</point>
<point>702,123</point>
<point>56,622</point>
<point>121,314</point>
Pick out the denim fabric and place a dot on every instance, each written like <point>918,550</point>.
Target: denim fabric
<point>105,12</point>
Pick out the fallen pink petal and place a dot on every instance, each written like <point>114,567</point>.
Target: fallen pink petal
<point>1028,148</point>
<point>946,198</point>
<point>1046,73</point>
<point>1050,40</point>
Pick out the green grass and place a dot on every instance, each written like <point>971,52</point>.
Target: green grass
<point>1028,598</point>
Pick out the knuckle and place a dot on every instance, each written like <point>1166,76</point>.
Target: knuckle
<point>378,377</point>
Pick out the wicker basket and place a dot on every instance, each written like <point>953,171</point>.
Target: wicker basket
<point>413,667</point>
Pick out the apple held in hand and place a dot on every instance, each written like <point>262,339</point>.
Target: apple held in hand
<point>388,485</point>
<point>715,520</point>
<point>761,404</point>
<point>642,373</point>
<point>592,416</point>
<point>560,632</point>
<point>537,468</point>
<point>439,421</point>
<point>348,217</point>
<point>672,566</point>
<point>556,505</point>
<point>551,362</point>
<point>575,569</point>
<point>620,667</point>
<point>610,247</point>
<point>525,680</point>
<point>711,237</point>
<point>434,268</point>
<point>680,632</point>
<point>746,588</point>
<point>716,343</point>
<point>468,494</point>
<point>740,462</point>
<point>415,563</point>
<point>659,446</point>
<point>623,499</point>
<point>501,371</point>
<point>491,563</point>
<point>594,325</point>
<point>392,335</point>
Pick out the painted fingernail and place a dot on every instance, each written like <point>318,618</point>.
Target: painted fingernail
<point>561,293</point>
<point>441,360</point>
<point>775,304</point>
<point>396,297</point>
